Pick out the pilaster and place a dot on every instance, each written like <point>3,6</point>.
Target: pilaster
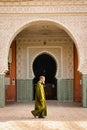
<point>84,90</point>
<point>2,90</point>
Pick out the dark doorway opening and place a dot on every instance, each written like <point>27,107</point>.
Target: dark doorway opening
<point>45,64</point>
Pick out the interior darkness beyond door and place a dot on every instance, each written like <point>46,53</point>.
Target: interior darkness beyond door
<point>45,65</point>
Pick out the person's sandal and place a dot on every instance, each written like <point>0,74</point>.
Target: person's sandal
<point>41,117</point>
<point>33,114</point>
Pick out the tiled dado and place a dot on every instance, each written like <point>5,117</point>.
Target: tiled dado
<point>84,86</point>
<point>2,90</point>
<point>65,90</point>
<point>25,90</point>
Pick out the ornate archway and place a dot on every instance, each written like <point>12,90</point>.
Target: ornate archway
<point>44,21</point>
<point>65,75</point>
<point>44,64</point>
<point>55,22</point>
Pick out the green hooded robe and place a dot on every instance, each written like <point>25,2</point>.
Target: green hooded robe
<point>40,101</point>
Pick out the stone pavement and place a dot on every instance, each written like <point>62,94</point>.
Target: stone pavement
<point>61,116</point>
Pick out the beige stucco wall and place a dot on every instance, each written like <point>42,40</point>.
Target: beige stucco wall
<point>70,16</point>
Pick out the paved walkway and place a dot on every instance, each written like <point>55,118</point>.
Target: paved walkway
<point>61,116</point>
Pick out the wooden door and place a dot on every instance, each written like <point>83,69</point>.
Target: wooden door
<point>11,76</point>
<point>51,91</point>
<point>77,79</point>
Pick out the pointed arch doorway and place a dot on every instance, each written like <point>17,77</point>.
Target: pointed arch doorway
<point>44,64</point>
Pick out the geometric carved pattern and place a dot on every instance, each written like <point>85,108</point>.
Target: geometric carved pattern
<point>68,64</point>
<point>33,52</point>
<point>62,52</point>
<point>19,61</point>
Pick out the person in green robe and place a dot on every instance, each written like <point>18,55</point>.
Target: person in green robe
<point>40,100</point>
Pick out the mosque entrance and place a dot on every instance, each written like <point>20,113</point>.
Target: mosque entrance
<point>45,64</point>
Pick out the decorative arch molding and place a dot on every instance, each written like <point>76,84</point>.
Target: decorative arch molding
<point>40,52</point>
<point>52,56</point>
<point>55,22</point>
